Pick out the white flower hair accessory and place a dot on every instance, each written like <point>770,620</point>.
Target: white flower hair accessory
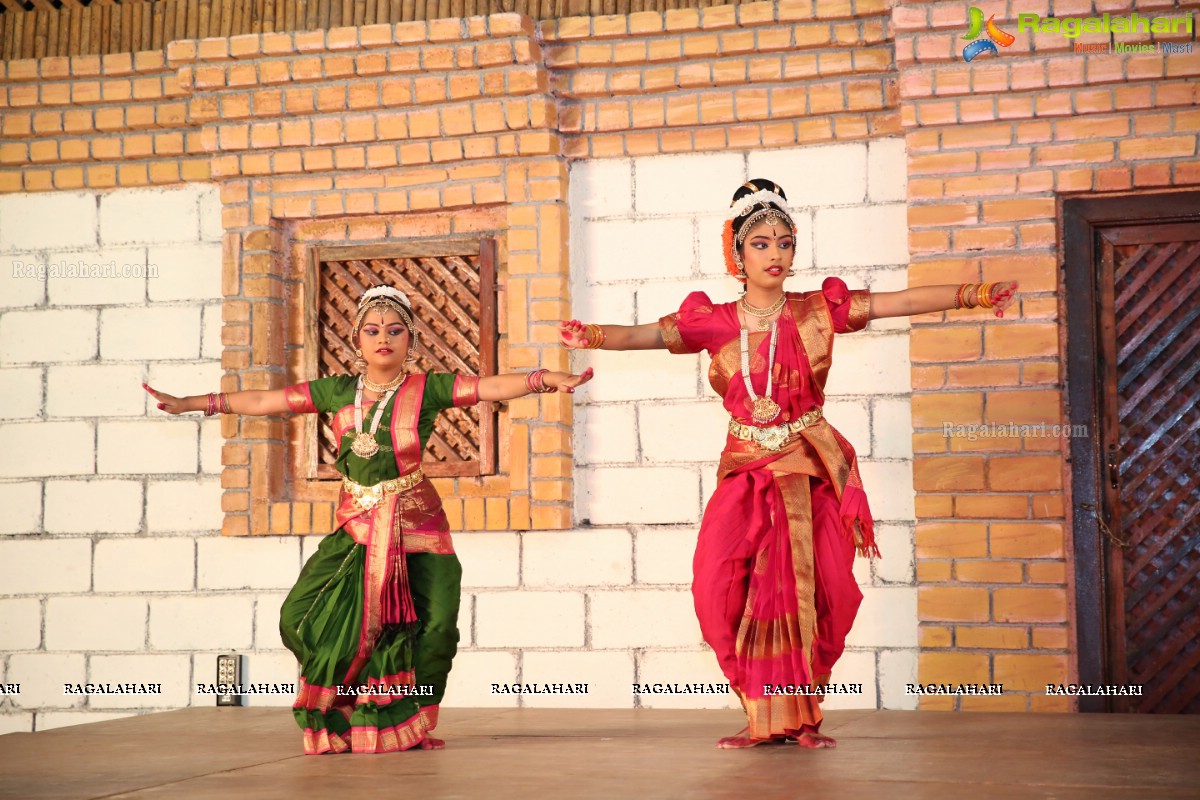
<point>377,292</point>
<point>744,204</point>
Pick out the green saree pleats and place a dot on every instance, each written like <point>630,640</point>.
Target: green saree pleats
<point>369,695</point>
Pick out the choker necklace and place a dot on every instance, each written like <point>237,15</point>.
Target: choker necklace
<point>380,388</point>
<point>765,409</point>
<point>762,313</point>
<point>364,444</point>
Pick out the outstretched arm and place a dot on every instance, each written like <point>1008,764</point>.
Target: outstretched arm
<point>575,335</point>
<point>926,299</point>
<point>254,403</point>
<point>513,385</point>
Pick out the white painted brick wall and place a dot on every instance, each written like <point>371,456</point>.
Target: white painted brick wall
<point>73,284</point>
<point>22,502</point>
<point>171,671</point>
<point>589,557</point>
<point>643,495</point>
<point>682,667</point>
<point>266,621</point>
<point>185,272</point>
<point>644,618</point>
<point>175,215</point>
<point>664,554</point>
<point>94,506</point>
<point>469,684</point>
<point>20,624</point>
<point>214,621</point>
<point>148,446</point>
<point>21,284</point>
<point>96,622</point>
<point>43,566</point>
<point>95,390</point>
<point>184,505</point>
<point>489,559</point>
<point>44,336</point>
<point>529,619</point>
<point>267,562</point>
<point>607,675</point>
<point>152,333</point>
<point>35,221</point>
<point>145,565</point>
<point>605,604</point>
<point>21,393</point>
<point>42,676</point>
<point>47,448</point>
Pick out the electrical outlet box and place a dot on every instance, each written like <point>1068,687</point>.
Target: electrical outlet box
<point>229,679</point>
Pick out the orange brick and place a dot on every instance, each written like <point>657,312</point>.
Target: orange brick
<point>931,636</point>
<point>950,540</point>
<point>953,668</point>
<point>952,603</point>
<point>988,571</point>
<point>991,637</point>
<point>934,410</point>
<point>1029,673</point>
<point>984,375</point>
<point>934,506</point>
<point>1047,506</point>
<point>1021,340</point>
<point>1027,604</point>
<point>985,506</point>
<point>1024,473</point>
<point>1024,407</point>
<point>956,343</point>
<point>1025,540</point>
<point>948,473</point>
<point>1050,638</point>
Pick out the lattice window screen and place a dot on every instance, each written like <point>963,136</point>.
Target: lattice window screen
<point>452,285</point>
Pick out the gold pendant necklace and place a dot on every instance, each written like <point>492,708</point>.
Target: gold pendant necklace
<point>763,313</point>
<point>764,409</point>
<point>380,388</point>
<point>364,444</point>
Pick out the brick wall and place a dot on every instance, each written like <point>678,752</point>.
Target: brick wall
<point>993,145</point>
<point>558,139</point>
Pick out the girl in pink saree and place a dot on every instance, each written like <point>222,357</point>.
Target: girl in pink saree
<point>773,584</point>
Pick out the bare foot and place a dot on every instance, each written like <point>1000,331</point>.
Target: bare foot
<point>741,741</point>
<point>430,743</point>
<point>815,741</point>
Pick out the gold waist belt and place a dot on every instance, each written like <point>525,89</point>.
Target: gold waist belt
<point>775,436</point>
<point>368,497</point>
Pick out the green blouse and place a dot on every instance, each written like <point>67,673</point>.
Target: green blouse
<point>331,395</point>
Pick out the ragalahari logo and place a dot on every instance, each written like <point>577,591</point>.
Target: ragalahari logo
<point>975,27</point>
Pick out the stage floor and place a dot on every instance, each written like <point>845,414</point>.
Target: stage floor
<point>526,753</point>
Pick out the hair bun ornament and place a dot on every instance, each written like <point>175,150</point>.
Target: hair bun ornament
<point>376,292</point>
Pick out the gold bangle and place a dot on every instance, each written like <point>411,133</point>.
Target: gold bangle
<point>985,295</point>
<point>595,336</point>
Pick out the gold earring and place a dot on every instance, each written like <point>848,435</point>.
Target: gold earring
<point>360,363</point>
<point>791,272</point>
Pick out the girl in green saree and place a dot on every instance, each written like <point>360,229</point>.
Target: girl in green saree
<point>373,617</point>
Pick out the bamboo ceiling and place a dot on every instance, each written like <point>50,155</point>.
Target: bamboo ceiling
<point>43,28</point>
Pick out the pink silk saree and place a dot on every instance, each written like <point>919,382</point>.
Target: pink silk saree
<point>773,584</point>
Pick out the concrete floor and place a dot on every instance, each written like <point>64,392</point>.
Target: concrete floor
<point>533,754</point>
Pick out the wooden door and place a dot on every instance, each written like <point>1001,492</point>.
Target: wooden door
<point>1137,497</point>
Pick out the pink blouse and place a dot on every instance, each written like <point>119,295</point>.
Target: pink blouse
<point>701,325</point>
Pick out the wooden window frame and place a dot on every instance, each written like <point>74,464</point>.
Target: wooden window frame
<point>486,249</point>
